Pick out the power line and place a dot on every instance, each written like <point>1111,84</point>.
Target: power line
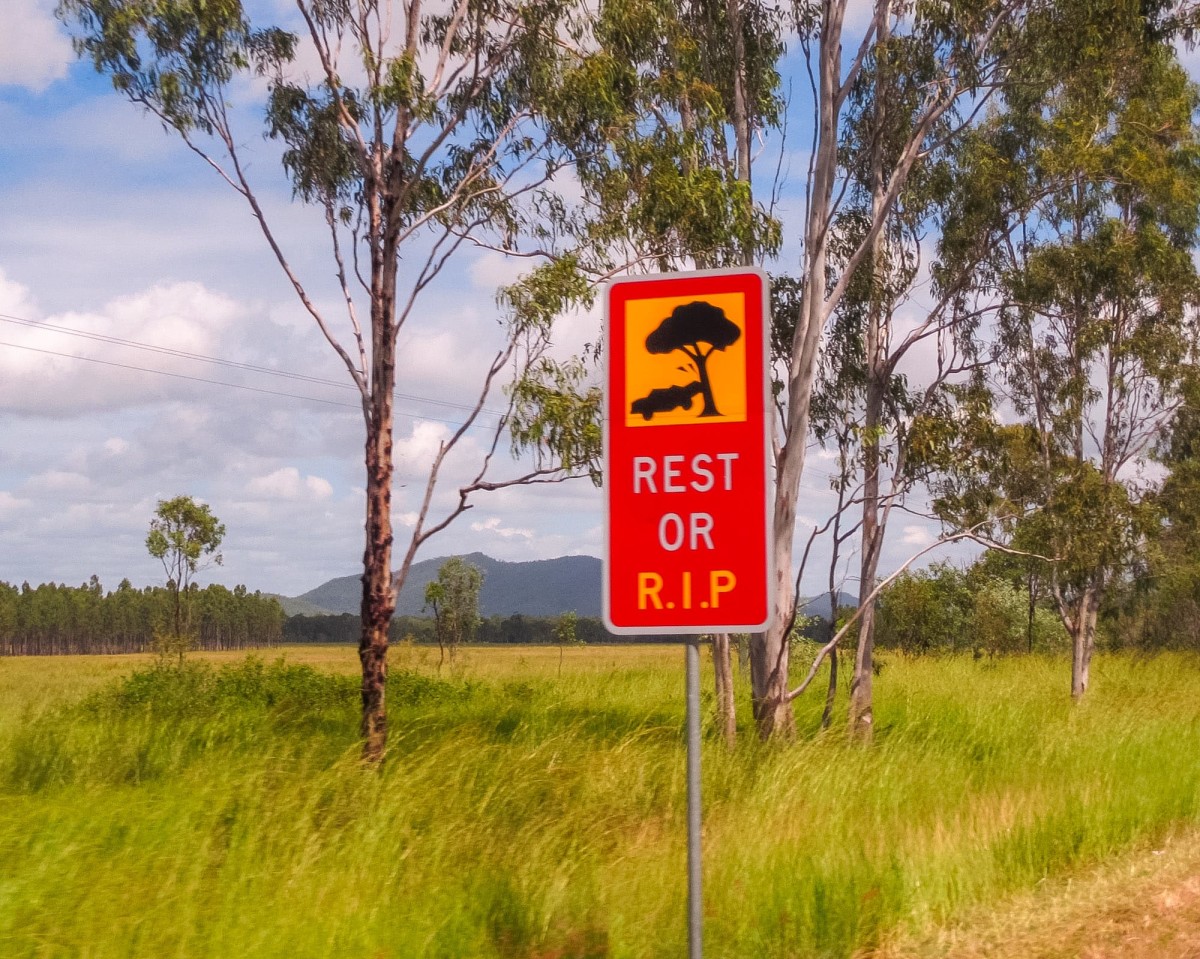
<point>219,361</point>
<point>253,368</point>
<point>178,376</point>
<point>234,386</point>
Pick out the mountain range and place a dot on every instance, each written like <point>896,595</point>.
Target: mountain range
<point>543,587</point>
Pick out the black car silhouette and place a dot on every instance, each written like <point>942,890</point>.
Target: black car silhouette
<point>665,400</point>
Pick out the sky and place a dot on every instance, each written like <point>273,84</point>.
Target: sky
<point>140,313</point>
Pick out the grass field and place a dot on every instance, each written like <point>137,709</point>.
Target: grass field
<point>220,811</point>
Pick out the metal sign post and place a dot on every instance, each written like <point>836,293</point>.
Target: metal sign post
<point>687,542</point>
<point>695,897</point>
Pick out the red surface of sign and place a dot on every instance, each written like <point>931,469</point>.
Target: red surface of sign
<point>687,532</point>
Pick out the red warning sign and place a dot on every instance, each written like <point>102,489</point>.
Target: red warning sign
<point>686,431</point>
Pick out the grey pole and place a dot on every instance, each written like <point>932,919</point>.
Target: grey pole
<point>695,902</point>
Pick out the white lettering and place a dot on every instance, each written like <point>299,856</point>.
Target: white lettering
<point>670,526</point>
<point>670,474</point>
<point>698,531</point>
<point>679,473</point>
<point>727,459</point>
<point>700,467</point>
<point>643,469</point>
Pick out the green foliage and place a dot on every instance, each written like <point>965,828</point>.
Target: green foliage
<point>170,691</point>
<point>647,114</point>
<point>182,533</point>
<point>512,630</point>
<point>566,629</point>
<point>566,632</point>
<point>173,56</point>
<point>1157,605</point>
<point>649,118</point>
<point>943,609</point>
<point>1087,187</point>
<point>925,611</point>
<point>52,619</point>
<point>180,60</point>
<point>454,599</point>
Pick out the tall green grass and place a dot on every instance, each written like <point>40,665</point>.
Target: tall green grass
<point>222,812</point>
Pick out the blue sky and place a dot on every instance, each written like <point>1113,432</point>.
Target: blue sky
<point>111,229</point>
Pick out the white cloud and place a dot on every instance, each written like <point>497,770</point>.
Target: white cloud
<point>414,453</point>
<point>16,299</point>
<point>493,525</point>
<point>287,484</point>
<point>493,270</point>
<point>33,52</point>
<point>59,481</point>
<point>917,536</point>
<point>11,505</point>
<point>73,362</point>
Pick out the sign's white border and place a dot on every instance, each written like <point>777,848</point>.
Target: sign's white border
<point>692,629</point>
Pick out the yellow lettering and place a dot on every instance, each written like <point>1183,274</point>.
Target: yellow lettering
<point>648,588</point>
<point>720,581</point>
<point>687,590</point>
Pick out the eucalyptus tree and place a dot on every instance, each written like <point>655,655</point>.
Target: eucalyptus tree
<point>416,133</point>
<point>665,160</point>
<point>1098,150</point>
<point>453,598</point>
<point>184,535</point>
<point>862,401</point>
<point>1158,604</point>
<point>964,51</point>
<point>566,633</point>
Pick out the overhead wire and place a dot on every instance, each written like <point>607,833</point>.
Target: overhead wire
<point>222,361</point>
<point>233,364</point>
<point>254,368</point>
<point>179,376</point>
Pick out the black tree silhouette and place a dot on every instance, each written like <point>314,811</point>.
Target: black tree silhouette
<point>685,330</point>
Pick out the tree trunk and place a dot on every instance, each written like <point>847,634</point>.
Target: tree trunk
<point>378,596</point>
<point>875,348</point>
<point>768,680</point>
<point>862,691</point>
<point>1032,612</point>
<point>769,651</point>
<point>831,689</point>
<point>741,113</point>
<point>723,671</point>
<point>379,590</point>
<point>1083,642</point>
<point>861,683</point>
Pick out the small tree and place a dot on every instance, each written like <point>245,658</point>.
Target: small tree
<point>566,632</point>
<point>182,533</point>
<point>454,599</point>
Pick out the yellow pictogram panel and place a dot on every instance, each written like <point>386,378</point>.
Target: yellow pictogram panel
<point>685,360</point>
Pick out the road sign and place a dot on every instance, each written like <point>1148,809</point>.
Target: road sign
<point>686,446</point>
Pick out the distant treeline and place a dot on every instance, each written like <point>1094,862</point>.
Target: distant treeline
<point>54,619</point>
<point>497,630</point>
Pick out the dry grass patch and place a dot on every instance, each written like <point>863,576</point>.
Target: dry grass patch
<point>1144,905</point>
